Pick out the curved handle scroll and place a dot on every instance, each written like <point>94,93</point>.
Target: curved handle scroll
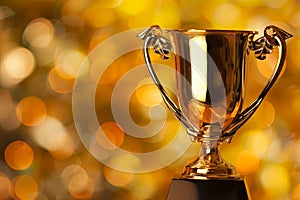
<point>273,36</point>
<point>162,46</point>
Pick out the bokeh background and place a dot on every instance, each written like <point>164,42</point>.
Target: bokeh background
<point>42,45</point>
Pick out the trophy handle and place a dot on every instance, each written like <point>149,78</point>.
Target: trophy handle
<point>162,46</point>
<point>273,36</point>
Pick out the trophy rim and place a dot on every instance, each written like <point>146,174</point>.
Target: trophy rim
<point>208,31</point>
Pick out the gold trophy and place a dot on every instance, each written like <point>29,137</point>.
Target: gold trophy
<point>210,83</point>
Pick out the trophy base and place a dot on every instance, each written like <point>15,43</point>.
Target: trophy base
<point>209,189</point>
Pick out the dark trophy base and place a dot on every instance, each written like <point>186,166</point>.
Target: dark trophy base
<point>183,189</point>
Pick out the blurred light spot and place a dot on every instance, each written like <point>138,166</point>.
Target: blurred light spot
<point>117,178</point>
<point>296,192</point>
<point>275,3</point>
<point>6,80</point>
<point>258,142</point>
<point>168,15</point>
<point>31,111</point>
<point>51,134</point>
<point>5,186</point>
<point>275,179</point>
<point>18,155</point>
<point>265,115</point>
<point>110,135</point>
<point>133,7</point>
<point>69,171</point>
<point>110,75</point>
<point>275,152</point>
<point>6,103</point>
<point>74,7</point>
<point>108,49</point>
<point>18,63</point>
<point>39,32</point>
<point>68,62</point>
<point>141,20</point>
<point>109,3</point>
<point>267,66</point>
<point>8,118</point>
<point>45,56</point>
<point>247,163</point>
<point>73,20</point>
<point>59,84</point>
<point>297,152</point>
<point>126,161</point>
<point>79,184</point>
<point>295,19</point>
<point>97,16</point>
<point>149,186</point>
<point>65,150</point>
<point>231,12</point>
<point>6,12</point>
<point>294,63</point>
<point>94,171</point>
<point>190,10</point>
<point>148,95</point>
<point>167,133</point>
<point>97,38</point>
<point>10,122</point>
<point>26,188</point>
<point>258,23</point>
<point>251,3</point>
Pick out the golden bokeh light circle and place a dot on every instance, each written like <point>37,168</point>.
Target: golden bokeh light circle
<point>31,111</point>
<point>247,163</point>
<point>25,187</point>
<point>19,155</point>
<point>113,136</point>
<point>18,63</point>
<point>148,95</point>
<point>117,178</point>
<point>39,32</point>
<point>5,185</point>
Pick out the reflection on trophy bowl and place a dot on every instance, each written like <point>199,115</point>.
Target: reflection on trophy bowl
<point>210,76</point>
<point>210,68</point>
<point>207,116</point>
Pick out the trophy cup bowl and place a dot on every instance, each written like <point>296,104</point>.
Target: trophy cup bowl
<point>210,89</point>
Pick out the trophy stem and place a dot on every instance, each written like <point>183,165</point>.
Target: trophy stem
<point>210,164</point>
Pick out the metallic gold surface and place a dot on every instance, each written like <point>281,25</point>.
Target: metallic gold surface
<point>211,70</point>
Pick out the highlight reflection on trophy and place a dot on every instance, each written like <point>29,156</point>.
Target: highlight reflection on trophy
<point>210,77</point>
